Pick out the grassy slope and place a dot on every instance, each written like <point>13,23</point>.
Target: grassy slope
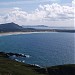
<point>11,67</point>
<point>67,69</point>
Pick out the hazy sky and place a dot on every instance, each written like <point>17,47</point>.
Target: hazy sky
<point>34,12</point>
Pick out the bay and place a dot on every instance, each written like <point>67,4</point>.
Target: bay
<point>44,49</point>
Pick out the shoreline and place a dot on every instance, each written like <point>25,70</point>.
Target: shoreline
<point>12,67</point>
<point>17,33</point>
<point>13,33</point>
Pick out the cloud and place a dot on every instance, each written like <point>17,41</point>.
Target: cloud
<point>14,15</point>
<point>44,13</point>
<point>57,12</point>
<point>73,2</point>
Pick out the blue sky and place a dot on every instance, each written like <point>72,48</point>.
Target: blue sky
<point>29,5</point>
<point>41,12</point>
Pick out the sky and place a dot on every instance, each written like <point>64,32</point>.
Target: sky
<point>54,13</point>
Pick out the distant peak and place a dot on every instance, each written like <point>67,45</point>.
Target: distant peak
<point>11,23</point>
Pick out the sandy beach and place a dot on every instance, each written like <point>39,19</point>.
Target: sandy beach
<point>16,33</point>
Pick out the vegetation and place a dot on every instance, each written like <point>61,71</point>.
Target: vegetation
<point>12,27</point>
<point>12,67</point>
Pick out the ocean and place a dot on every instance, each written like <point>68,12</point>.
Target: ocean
<point>44,49</point>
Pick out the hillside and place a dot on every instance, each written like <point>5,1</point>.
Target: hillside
<point>12,67</point>
<point>10,27</point>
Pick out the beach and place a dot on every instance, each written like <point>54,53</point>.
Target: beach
<point>16,33</point>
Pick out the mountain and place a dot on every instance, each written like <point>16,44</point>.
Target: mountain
<point>34,26</point>
<point>10,27</point>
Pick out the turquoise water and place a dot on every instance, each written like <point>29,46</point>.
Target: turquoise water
<point>44,49</point>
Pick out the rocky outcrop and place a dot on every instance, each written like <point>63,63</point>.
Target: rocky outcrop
<point>12,54</point>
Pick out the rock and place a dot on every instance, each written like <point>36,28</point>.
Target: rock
<point>16,54</point>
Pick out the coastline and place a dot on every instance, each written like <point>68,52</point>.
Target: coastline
<point>13,33</point>
<point>29,32</point>
<point>12,67</point>
<point>17,33</point>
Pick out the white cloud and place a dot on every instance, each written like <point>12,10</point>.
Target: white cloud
<point>73,2</point>
<point>57,12</point>
<point>44,13</point>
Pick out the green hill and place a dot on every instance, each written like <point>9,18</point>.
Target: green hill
<point>12,67</point>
